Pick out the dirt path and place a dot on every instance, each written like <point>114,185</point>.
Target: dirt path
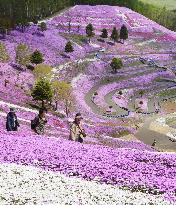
<point>147,135</point>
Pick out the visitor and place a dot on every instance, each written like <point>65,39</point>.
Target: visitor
<point>93,97</point>
<point>154,143</point>
<point>77,133</point>
<point>39,122</point>
<point>12,123</point>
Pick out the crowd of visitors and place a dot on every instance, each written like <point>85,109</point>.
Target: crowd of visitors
<point>77,133</point>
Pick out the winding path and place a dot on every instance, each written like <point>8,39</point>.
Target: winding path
<point>120,112</point>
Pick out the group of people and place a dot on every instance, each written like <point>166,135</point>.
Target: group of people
<point>37,124</point>
<point>77,133</point>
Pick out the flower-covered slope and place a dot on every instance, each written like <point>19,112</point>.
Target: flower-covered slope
<point>51,44</point>
<point>132,169</point>
<point>29,185</point>
<point>15,84</point>
<point>122,170</point>
<point>104,16</point>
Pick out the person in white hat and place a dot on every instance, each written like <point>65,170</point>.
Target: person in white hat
<point>12,123</point>
<point>77,133</point>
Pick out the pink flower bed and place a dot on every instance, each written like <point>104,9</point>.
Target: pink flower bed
<point>138,170</point>
<point>13,91</point>
<point>103,16</point>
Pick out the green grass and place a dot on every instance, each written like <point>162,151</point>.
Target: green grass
<point>168,93</point>
<point>169,4</point>
<point>79,39</point>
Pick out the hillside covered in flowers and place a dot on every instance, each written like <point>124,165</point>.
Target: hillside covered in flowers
<point>115,67</point>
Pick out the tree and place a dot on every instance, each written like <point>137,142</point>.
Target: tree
<point>6,24</point>
<point>22,54</point>
<point>123,33</point>
<point>115,35</point>
<point>90,31</point>
<point>104,33</point>
<point>37,57</point>
<point>42,71</point>
<point>42,91</point>
<point>35,20</point>
<point>43,26</point>
<point>141,93</point>
<point>63,93</point>
<point>116,64</point>
<point>69,47</point>
<point>4,56</point>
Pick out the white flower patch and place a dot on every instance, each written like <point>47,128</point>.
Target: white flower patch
<point>29,185</point>
<point>171,135</point>
<point>161,120</point>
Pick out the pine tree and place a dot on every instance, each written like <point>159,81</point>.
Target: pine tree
<point>90,31</point>
<point>123,33</point>
<point>69,47</point>
<point>37,57</point>
<point>116,64</point>
<point>4,56</point>
<point>115,35</point>
<point>42,91</point>
<point>104,33</point>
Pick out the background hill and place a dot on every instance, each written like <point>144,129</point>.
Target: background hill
<point>169,4</point>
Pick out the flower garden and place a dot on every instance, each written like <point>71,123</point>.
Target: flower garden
<point>106,169</point>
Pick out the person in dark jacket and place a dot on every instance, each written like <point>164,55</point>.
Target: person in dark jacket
<point>40,121</point>
<point>12,123</point>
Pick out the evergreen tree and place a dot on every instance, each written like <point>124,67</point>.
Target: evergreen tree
<point>116,64</point>
<point>42,91</point>
<point>22,54</point>
<point>69,47</point>
<point>104,33</point>
<point>123,33</point>
<point>37,57</point>
<point>4,56</point>
<point>115,35</point>
<point>90,31</point>
<point>43,26</point>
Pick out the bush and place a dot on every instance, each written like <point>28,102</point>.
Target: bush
<point>37,57</point>
<point>69,47</point>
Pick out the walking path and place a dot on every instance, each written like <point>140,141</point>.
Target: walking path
<point>153,130</point>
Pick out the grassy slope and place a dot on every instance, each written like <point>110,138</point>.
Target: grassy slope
<point>170,4</point>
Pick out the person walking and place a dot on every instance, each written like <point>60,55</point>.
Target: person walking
<point>154,143</point>
<point>39,122</point>
<point>77,133</point>
<point>12,123</point>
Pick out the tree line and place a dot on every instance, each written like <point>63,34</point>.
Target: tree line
<point>15,12</point>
